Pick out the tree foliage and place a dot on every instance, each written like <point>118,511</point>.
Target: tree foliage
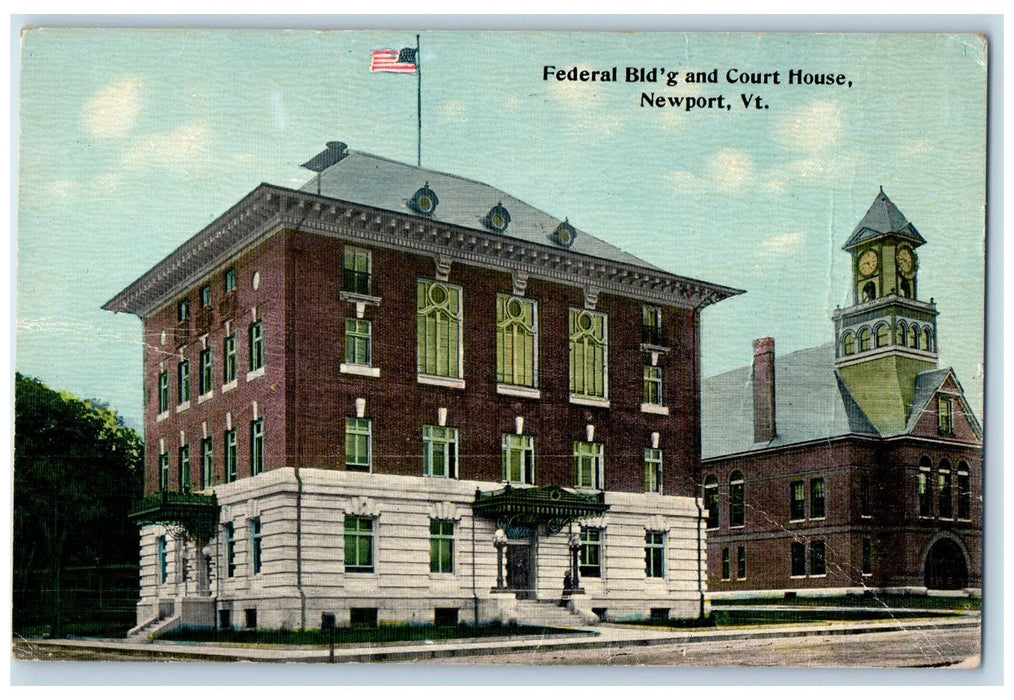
<point>77,471</point>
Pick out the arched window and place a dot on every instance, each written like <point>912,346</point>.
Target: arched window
<point>964,492</point>
<point>905,289</point>
<point>869,291</point>
<point>864,340</point>
<point>737,500</point>
<point>882,335</point>
<point>711,501</point>
<point>913,337</point>
<point>924,487</point>
<point>902,333</point>
<point>848,343</point>
<point>926,345</point>
<point>945,508</point>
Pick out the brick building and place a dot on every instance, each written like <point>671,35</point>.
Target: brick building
<point>854,465</point>
<point>353,389</point>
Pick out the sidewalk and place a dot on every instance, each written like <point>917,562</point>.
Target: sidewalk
<point>603,636</point>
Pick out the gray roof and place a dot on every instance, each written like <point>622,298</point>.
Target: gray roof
<point>811,403</point>
<point>386,184</point>
<point>881,218</point>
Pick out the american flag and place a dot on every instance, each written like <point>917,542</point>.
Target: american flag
<point>393,61</point>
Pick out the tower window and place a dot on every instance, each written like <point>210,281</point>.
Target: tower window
<point>926,345</point>
<point>905,289</point>
<point>869,291</point>
<point>881,335</point>
<point>848,344</point>
<point>913,337</point>
<point>864,340</point>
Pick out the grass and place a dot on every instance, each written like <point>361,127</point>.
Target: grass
<point>768,616</point>
<point>360,635</point>
<point>891,602</point>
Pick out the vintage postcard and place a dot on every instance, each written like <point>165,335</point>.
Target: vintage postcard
<point>500,347</point>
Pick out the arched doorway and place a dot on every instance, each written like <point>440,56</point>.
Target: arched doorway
<point>946,568</point>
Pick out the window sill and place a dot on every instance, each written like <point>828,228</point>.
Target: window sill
<point>823,517</point>
<point>654,408</point>
<point>449,382</point>
<point>253,374</point>
<point>796,521</point>
<point>359,298</point>
<point>183,406</point>
<point>736,527</point>
<point>230,386</point>
<point>359,370</point>
<point>866,517</point>
<point>798,576</point>
<point>818,575</point>
<point>589,401</point>
<point>651,347</point>
<point>869,575</point>
<point>162,416</point>
<point>204,397</point>
<point>524,392</point>
<point>439,476</point>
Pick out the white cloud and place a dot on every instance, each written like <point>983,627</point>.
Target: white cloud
<point>730,169</point>
<point>179,150</point>
<point>814,127</point>
<point>780,244</point>
<point>113,110</point>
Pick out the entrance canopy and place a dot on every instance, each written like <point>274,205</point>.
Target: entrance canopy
<point>551,506</point>
<point>195,513</point>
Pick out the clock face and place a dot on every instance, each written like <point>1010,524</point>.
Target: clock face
<point>868,262</point>
<point>907,262</point>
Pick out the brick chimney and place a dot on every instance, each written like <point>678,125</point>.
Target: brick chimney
<point>764,390</point>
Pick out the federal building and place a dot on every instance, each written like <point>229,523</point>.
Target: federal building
<point>399,395</point>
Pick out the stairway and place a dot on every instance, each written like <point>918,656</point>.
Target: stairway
<point>547,613</point>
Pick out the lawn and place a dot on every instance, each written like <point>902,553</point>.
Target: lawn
<point>893,602</point>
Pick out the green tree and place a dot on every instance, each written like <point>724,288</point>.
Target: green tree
<point>77,470</point>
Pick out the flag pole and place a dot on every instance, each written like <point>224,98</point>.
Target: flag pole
<point>418,102</point>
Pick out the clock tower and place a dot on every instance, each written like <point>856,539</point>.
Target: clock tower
<point>887,336</point>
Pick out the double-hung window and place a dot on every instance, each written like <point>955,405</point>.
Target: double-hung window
<point>163,560</point>
<point>255,546</point>
<point>163,392</point>
<point>207,463</point>
<point>653,385</point>
<point>358,544</point>
<point>737,500</point>
<point>441,546</point>
<point>944,507</point>
<point>798,559</point>
<point>651,325</point>
<point>230,550</point>
<point>230,280</point>
<point>256,345</point>
<point>816,498</point>
<point>588,334</point>
<point>726,564</point>
<point>184,381</point>
<point>945,415</point>
<point>439,328</point>
<point>231,468</point>
<point>206,296</point>
<point>229,359</point>
<point>652,470</point>
<point>206,374</point>
<point>924,487</point>
<point>256,447</point>
<point>711,501</point>
<point>358,435</point>
<point>185,468</point>
<point>183,310</point>
<point>358,340</point>
<point>588,465</point>
<point>797,495</point>
<point>741,562</point>
<point>163,471</point>
<point>440,451</point>
<point>516,341</point>
<point>590,556</point>
<point>356,271</point>
<point>818,564</point>
<point>964,493</point>
<point>654,554</point>
<point>518,459</point>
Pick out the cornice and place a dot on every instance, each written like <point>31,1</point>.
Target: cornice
<point>270,209</point>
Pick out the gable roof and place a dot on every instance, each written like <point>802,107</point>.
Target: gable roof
<point>387,184</point>
<point>811,403</point>
<point>882,218</point>
<point>927,384</point>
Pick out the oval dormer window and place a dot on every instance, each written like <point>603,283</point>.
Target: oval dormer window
<point>425,200</point>
<point>565,234</point>
<point>497,218</point>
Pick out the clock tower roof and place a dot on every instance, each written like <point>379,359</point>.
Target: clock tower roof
<point>883,218</point>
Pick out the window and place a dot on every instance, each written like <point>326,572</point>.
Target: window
<point>867,556</point>
<point>711,501</point>
<point>185,468</point>
<point>944,507</point>
<point>818,565</point>
<point>926,344</point>
<point>230,550</point>
<point>654,554</point>
<point>864,340</point>
<point>516,341</point>
<point>737,500</point>
<point>206,379</point>
<point>163,560</point>
<point>357,341</point>
<point>256,447</point>
<point>588,465</point>
<point>163,392</point>
<point>255,546</point>
<point>945,416</point>
<point>913,337</point>
<point>440,451</point>
<point>230,280</point>
<point>798,559</point>
<point>881,335</point>
<point>207,463</point>
<point>256,345</point>
<point>653,385</point>
<point>651,325</point>
<point>726,564</point>
<point>183,310</point>
<point>590,555</point>
<point>358,434</point>
<point>741,562</point>
<point>964,493</point>
<point>865,497</point>
<point>588,338</point>
<point>184,377</point>
<point>356,271</point>
<point>438,317</point>
<point>816,498</point>
<point>358,544</point>
<point>519,459</point>
<point>206,296</point>
<point>924,487</point>
<point>797,494</point>
<point>652,470</point>
<point>441,546</point>
<point>163,471</point>
<point>849,344</point>
<point>231,470</point>
<point>229,359</point>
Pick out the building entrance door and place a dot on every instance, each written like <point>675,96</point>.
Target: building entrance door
<point>945,566</point>
<point>520,572</point>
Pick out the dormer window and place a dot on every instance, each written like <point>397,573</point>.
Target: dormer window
<point>564,234</point>
<point>497,219</point>
<point>425,200</point>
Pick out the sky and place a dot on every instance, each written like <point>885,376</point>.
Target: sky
<point>131,141</point>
